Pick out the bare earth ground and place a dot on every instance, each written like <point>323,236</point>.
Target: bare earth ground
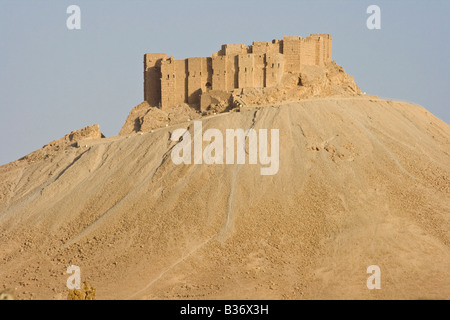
<point>362,181</point>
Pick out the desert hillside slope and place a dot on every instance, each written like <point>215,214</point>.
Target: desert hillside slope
<point>362,181</point>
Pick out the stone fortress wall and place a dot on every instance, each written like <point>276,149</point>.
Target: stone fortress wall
<point>169,82</point>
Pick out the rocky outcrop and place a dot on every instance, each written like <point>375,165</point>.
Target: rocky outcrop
<point>144,118</point>
<point>313,82</point>
<point>71,139</point>
<point>87,292</point>
<point>90,132</point>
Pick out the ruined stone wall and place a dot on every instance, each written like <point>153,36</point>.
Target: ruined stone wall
<point>308,54</point>
<point>292,54</point>
<point>181,77</point>
<point>219,77</point>
<point>259,72</point>
<point>246,68</point>
<point>199,76</point>
<point>263,47</point>
<point>327,47</point>
<point>322,51</point>
<point>274,69</point>
<point>152,77</point>
<point>168,82</point>
<point>234,49</point>
<point>232,72</point>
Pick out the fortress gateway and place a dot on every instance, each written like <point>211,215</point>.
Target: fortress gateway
<point>168,82</point>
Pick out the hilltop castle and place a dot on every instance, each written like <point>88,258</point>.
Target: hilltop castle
<point>168,82</point>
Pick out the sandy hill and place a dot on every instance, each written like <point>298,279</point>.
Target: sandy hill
<point>362,181</point>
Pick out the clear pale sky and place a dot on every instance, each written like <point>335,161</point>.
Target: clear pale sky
<point>54,80</point>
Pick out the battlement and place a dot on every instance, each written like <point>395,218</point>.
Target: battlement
<point>168,82</point>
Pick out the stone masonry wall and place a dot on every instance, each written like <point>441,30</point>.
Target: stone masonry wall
<point>169,82</point>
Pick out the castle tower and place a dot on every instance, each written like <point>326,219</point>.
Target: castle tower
<point>152,78</point>
<point>199,78</point>
<point>292,54</point>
